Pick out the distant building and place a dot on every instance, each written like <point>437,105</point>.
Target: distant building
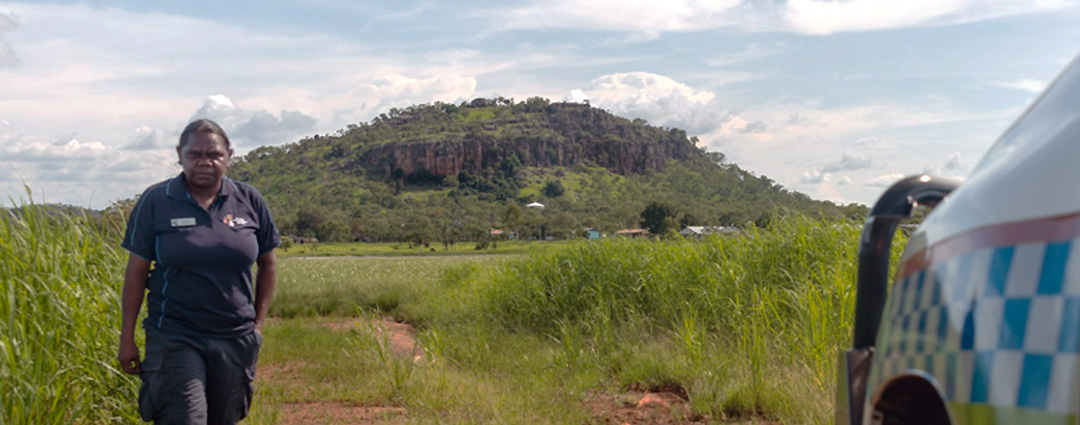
<point>593,234</point>
<point>633,233</point>
<point>536,205</point>
<point>699,231</point>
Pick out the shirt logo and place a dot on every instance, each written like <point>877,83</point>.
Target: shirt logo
<point>233,222</point>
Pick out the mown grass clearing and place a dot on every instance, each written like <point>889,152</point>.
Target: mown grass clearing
<point>338,286</point>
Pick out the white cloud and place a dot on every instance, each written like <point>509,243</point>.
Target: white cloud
<point>884,180</point>
<point>657,99</point>
<point>872,142</point>
<point>75,171</point>
<point>254,127</point>
<point>1028,85</point>
<point>646,20</point>
<point>8,57</point>
<point>641,16</point>
<point>400,88</point>
<point>643,87</point>
<point>78,61</point>
<point>951,167</point>
<point>396,91</point>
<point>737,125</point>
<point>38,151</point>
<point>826,17</point>
<point>147,138</point>
<point>79,172</point>
<point>753,52</point>
<point>576,96</point>
<point>8,22</point>
<point>814,177</point>
<point>848,163</point>
<point>860,139</point>
<point>807,122</point>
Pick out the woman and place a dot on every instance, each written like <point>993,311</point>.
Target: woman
<point>201,232</point>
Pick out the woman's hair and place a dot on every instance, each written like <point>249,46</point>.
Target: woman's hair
<point>202,125</point>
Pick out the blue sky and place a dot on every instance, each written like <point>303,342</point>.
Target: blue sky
<point>833,99</point>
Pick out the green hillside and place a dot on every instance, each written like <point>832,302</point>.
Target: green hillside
<point>445,172</point>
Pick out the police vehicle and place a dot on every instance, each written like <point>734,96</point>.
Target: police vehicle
<point>982,322</point>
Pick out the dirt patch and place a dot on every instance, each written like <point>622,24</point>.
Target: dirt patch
<point>285,373</point>
<point>400,340</point>
<point>634,408</point>
<point>338,413</point>
<point>400,337</point>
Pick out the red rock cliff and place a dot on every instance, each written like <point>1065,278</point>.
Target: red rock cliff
<point>449,157</point>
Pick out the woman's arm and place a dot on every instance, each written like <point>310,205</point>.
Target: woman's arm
<point>265,279</point>
<point>135,276</point>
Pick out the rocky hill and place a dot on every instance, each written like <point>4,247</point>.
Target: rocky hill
<point>581,135</point>
<point>463,169</point>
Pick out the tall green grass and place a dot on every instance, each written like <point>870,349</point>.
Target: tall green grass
<point>746,326</point>
<point>59,320</point>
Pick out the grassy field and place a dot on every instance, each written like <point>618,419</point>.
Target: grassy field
<point>401,249</point>
<point>745,328</point>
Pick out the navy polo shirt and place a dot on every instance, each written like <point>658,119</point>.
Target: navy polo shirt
<point>201,280</point>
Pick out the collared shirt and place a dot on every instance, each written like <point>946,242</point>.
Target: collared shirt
<point>201,279</point>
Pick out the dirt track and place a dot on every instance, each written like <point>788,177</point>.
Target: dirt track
<point>628,408</point>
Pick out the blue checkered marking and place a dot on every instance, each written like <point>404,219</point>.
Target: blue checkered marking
<point>1014,323</point>
<point>1069,337</point>
<point>1035,380</point>
<point>909,336</point>
<point>999,270</point>
<point>980,381</point>
<point>967,337</point>
<point>1053,268</point>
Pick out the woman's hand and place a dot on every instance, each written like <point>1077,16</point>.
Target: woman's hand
<point>129,357</point>
<point>135,276</point>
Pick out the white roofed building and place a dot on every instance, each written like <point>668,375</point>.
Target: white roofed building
<point>699,231</point>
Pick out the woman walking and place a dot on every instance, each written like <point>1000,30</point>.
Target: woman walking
<point>193,240</point>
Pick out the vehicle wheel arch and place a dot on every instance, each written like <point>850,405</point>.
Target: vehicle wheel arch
<point>892,401</point>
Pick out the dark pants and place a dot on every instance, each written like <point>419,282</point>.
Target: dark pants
<point>197,380</point>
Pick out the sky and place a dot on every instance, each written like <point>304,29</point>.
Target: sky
<point>835,99</point>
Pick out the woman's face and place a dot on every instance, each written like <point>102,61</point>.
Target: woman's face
<point>205,159</point>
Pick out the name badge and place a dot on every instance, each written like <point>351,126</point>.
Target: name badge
<point>183,222</point>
